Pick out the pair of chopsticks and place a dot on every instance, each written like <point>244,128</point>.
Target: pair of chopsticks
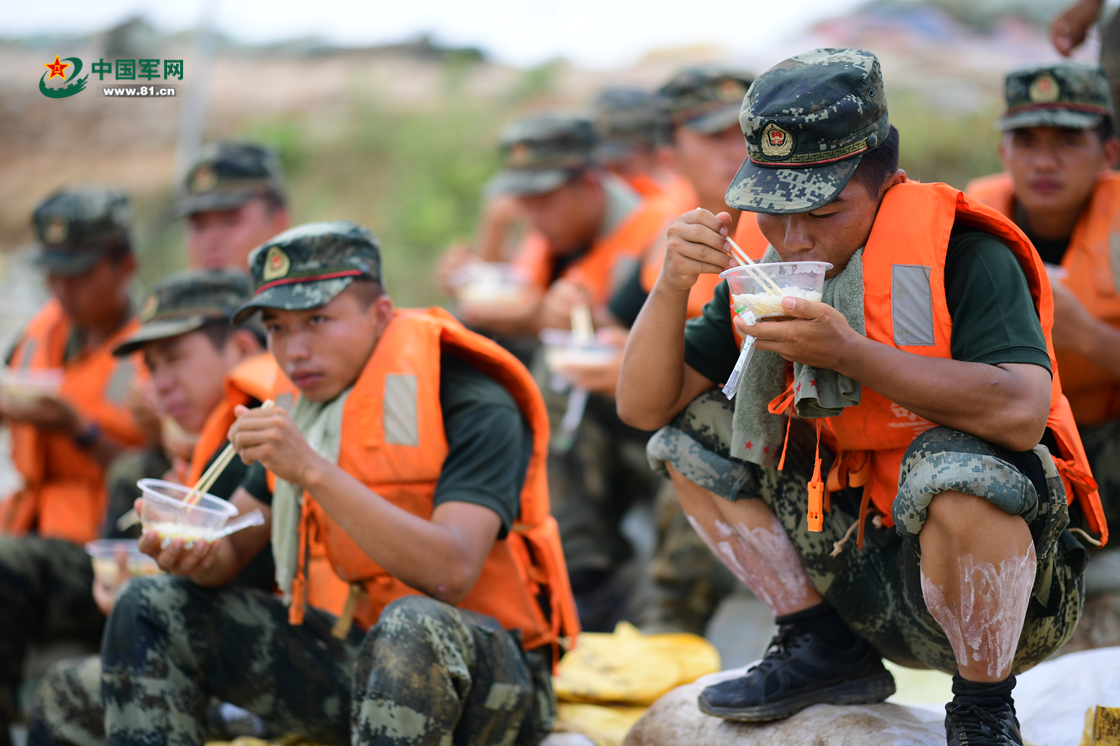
<point>583,329</point>
<point>206,481</point>
<point>760,277</point>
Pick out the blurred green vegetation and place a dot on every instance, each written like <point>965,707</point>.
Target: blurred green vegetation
<point>944,144</point>
<point>415,175</point>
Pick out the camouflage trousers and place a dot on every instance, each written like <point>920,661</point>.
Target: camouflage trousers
<point>426,673</point>
<point>877,590</point>
<point>595,475</point>
<point>45,594</point>
<point>1102,446</point>
<point>129,468</point>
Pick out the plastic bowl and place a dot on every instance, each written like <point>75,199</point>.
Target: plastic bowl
<point>562,352</point>
<point>799,279</point>
<point>103,553</point>
<point>490,285</point>
<point>165,512</point>
<point>24,386</point>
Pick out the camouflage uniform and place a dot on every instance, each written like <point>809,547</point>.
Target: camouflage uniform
<point>45,583</point>
<point>876,590</point>
<point>426,672</point>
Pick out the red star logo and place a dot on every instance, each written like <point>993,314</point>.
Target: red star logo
<point>798,389</point>
<point>56,68</point>
<point>766,449</point>
<point>750,444</point>
<point>813,383</point>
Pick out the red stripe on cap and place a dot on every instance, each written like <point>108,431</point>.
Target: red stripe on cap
<point>1058,106</point>
<point>309,278</point>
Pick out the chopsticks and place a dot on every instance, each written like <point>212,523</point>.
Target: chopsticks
<point>745,261</point>
<point>583,329</point>
<point>206,481</point>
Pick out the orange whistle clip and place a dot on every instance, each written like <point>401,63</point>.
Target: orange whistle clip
<point>815,516</point>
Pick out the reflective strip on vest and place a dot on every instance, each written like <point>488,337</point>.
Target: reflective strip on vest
<point>912,305</point>
<point>400,418</point>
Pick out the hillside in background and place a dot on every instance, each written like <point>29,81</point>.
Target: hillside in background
<point>402,138</point>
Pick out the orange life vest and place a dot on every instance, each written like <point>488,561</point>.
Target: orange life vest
<point>393,442</point>
<point>1093,392</point>
<point>908,245</point>
<point>747,235</point>
<point>599,268</point>
<point>64,494</point>
<point>260,378</point>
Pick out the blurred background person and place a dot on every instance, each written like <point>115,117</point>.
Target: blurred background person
<point>1058,148</point>
<point>64,436</point>
<point>234,201</point>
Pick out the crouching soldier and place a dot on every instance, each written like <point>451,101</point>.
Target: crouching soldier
<point>932,357</point>
<point>417,452</point>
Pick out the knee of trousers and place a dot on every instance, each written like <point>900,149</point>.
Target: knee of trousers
<point>419,624</point>
<point>946,460</point>
<point>148,601</point>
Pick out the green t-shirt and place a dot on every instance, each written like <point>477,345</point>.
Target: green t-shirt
<point>489,444</point>
<point>994,319</point>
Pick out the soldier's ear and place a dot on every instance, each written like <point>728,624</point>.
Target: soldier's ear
<point>1111,151</point>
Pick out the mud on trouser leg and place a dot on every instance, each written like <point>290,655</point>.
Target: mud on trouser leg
<point>1025,484</point>
<point>430,673</point>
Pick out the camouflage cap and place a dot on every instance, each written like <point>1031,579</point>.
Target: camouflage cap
<point>229,174</point>
<point>706,99</point>
<point>808,121</point>
<point>1064,94</point>
<point>543,152</point>
<point>76,226</point>
<point>626,121</point>
<point>186,302</point>
<point>307,266</point>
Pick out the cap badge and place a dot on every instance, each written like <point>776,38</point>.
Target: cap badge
<point>148,312</point>
<point>519,155</point>
<point>56,231</point>
<point>776,142</point>
<point>1044,89</point>
<point>276,264</point>
<point>731,90</point>
<point>205,179</point>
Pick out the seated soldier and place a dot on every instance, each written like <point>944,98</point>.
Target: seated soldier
<point>933,363</point>
<point>201,368</point>
<point>699,109</point>
<point>1058,148</point>
<point>235,201</point>
<point>417,451</point>
<point>588,226</point>
<point>62,443</point>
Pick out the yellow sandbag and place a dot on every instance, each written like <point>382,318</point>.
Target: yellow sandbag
<point>606,725</point>
<point>1102,727</point>
<point>629,667</point>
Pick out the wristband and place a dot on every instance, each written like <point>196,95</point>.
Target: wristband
<point>88,437</point>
